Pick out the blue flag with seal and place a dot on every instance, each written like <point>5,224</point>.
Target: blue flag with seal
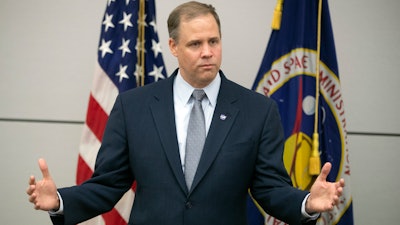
<point>300,54</point>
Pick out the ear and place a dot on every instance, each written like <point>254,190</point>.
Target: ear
<point>172,47</point>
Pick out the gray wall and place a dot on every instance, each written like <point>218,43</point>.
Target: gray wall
<point>48,53</point>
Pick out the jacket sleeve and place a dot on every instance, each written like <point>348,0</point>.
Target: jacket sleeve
<point>271,186</point>
<point>111,179</point>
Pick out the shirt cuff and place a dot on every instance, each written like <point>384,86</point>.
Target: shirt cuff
<point>305,215</point>
<point>60,210</point>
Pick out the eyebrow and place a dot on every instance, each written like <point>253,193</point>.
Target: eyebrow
<point>200,40</point>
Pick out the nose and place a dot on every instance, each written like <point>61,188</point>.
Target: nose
<point>206,51</point>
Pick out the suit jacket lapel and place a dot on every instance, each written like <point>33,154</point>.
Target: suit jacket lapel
<point>164,116</point>
<point>224,116</point>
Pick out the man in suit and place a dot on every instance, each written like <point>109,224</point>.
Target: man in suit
<point>145,141</point>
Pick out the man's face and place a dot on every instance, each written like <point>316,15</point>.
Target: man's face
<point>198,50</point>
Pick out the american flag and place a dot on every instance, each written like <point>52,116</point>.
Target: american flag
<point>129,55</point>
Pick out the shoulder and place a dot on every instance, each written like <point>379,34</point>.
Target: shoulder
<point>151,90</point>
<point>245,95</point>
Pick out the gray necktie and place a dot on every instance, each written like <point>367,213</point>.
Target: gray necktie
<point>196,136</point>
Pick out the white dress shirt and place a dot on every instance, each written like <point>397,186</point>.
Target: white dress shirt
<point>183,105</point>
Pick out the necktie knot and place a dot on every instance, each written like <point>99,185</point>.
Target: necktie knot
<point>198,94</point>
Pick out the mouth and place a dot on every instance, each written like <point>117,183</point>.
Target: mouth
<point>207,66</point>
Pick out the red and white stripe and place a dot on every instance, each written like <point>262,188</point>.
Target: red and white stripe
<point>101,101</point>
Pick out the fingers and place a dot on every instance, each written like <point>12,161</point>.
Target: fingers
<point>339,187</point>
<point>43,167</point>
<point>32,180</point>
<point>336,200</point>
<point>41,191</point>
<point>341,182</point>
<point>338,192</point>
<point>325,171</point>
<point>31,190</point>
<point>32,184</point>
<point>32,198</point>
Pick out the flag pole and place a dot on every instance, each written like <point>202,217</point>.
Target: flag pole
<point>141,50</point>
<point>315,161</point>
<point>277,17</point>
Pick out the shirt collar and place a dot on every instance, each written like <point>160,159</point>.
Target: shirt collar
<point>183,90</point>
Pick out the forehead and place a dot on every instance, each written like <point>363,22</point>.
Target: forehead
<point>202,25</point>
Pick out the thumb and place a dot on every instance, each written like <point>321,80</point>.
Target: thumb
<point>43,167</point>
<point>325,171</point>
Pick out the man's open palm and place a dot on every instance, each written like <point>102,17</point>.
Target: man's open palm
<point>43,193</point>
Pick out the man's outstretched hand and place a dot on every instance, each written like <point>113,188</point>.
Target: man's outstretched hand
<point>324,195</point>
<point>43,194</point>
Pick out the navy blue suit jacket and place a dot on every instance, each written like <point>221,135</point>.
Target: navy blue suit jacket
<point>242,151</point>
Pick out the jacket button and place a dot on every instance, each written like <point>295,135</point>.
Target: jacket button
<point>188,205</point>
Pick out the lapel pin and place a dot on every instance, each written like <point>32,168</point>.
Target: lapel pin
<point>222,117</point>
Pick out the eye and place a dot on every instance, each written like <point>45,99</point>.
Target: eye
<point>214,42</point>
<point>195,44</point>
